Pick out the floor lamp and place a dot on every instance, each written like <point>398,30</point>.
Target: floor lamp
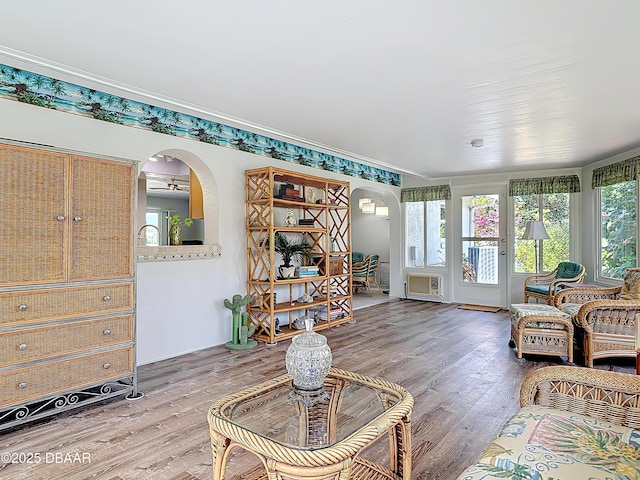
<point>535,231</point>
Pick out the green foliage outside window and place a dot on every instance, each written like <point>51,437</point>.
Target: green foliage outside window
<point>618,228</point>
<point>553,210</point>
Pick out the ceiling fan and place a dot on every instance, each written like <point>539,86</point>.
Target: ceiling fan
<point>175,185</point>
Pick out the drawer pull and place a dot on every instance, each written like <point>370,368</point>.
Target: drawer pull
<point>77,218</point>
<point>22,346</point>
<point>107,332</point>
<point>22,385</point>
<point>22,307</point>
<point>106,366</point>
<point>106,298</point>
<point>60,218</point>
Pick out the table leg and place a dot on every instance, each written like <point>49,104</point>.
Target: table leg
<point>219,446</point>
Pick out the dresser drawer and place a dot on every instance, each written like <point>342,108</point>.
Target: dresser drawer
<point>28,306</point>
<point>36,343</point>
<point>29,383</point>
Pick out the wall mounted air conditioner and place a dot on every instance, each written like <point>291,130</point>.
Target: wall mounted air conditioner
<point>424,287</point>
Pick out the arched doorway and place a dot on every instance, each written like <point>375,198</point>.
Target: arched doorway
<point>371,234</point>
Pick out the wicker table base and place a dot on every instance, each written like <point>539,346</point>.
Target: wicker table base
<point>322,441</point>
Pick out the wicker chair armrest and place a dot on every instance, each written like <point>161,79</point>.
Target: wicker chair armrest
<point>555,285</point>
<point>584,295</point>
<point>612,312</point>
<point>609,396</point>
<point>360,268</point>
<point>540,279</point>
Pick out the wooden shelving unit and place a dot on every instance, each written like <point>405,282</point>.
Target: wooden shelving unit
<point>323,203</point>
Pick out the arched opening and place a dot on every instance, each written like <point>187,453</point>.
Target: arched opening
<point>176,182</point>
<point>371,234</point>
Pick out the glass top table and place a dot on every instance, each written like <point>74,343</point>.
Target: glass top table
<point>321,439</point>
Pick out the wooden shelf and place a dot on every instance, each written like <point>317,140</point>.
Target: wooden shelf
<point>330,237</point>
<point>288,332</point>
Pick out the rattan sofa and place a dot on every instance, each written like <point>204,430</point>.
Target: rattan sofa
<point>604,324</point>
<point>574,423</point>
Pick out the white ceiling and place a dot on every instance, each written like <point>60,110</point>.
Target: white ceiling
<point>545,83</point>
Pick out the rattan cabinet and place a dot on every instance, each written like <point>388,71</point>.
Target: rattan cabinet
<point>67,278</point>
<point>303,208</point>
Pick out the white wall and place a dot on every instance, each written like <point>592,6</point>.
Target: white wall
<point>179,304</point>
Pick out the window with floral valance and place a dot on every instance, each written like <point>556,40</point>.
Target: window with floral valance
<point>545,199</point>
<point>425,194</point>
<point>425,217</point>
<point>544,185</point>
<point>616,192</point>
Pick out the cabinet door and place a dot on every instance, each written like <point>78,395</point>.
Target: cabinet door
<point>34,233</point>
<point>102,208</point>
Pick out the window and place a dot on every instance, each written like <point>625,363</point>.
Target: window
<point>480,218</point>
<point>152,235</point>
<point>553,210</point>
<point>618,208</point>
<point>425,233</point>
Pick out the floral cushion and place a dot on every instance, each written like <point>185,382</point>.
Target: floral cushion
<point>630,284</point>
<point>544,443</point>
<point>482,471</point>
<point>521,310</point>
<point>570,308</point>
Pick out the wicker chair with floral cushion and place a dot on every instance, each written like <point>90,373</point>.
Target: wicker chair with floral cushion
<point>545,286</point>
<point>604,317</point>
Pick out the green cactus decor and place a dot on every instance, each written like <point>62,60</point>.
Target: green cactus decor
<point>240,326</point>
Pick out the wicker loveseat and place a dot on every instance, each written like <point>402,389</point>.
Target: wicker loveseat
<point>574,423</point>
<point>604,324</point>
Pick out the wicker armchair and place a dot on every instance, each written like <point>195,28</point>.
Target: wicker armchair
<point>545,286</point>
<point>609,396</point>
<point>605,324</point>
<point>365,273</point>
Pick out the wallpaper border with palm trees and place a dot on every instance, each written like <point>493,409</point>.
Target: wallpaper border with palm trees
<point>35,89</point>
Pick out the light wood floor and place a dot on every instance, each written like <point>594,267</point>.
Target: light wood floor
<point>456,363</point>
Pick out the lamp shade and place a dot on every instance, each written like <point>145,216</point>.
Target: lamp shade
<point>535,231</point>
<point>382,211</point>
<point>368,207</point>
<point>362,201</point>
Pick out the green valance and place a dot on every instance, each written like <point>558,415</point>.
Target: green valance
<point>538,185</point>
<point>425,194</point>
<point>624,171</point>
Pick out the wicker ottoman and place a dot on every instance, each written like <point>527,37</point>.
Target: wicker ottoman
<point>542,330</point>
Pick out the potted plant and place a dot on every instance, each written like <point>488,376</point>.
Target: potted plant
<point>290,250</point>
<point>175,233</point>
